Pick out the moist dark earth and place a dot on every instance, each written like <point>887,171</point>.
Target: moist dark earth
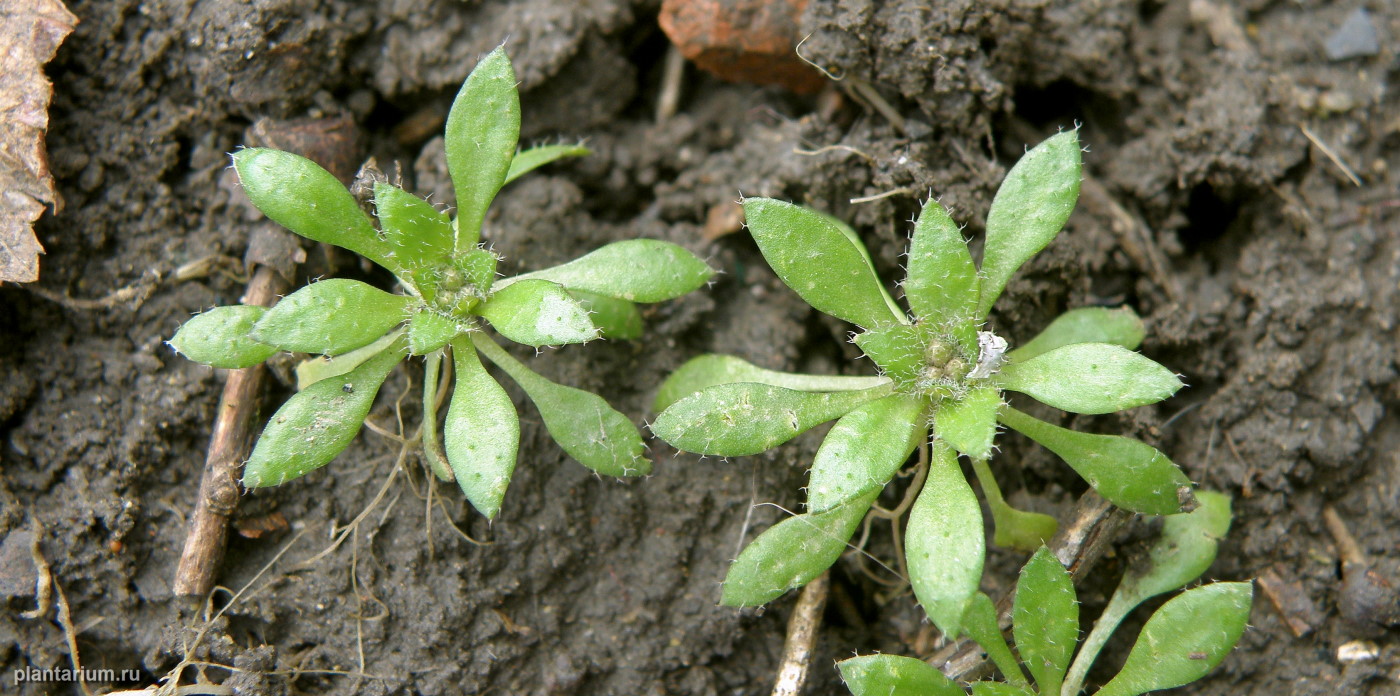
<point>1267,271</point>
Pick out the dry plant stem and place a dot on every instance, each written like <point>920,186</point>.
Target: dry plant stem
<point>1080,543</point>
<point>233,434</point>
<point>806,620</point>
<point>1347,548</point>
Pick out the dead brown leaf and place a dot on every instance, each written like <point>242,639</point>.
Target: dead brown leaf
<point>30,32</point>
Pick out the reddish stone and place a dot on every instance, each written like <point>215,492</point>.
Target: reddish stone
<point>742,40</point>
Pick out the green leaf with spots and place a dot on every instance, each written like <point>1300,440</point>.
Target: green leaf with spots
<point>538,313</point>
<point>733,420</point>
<point>970,423</point>
<point>481,433</point>
<point>942,282</point>
<point>618,319</point>
<point>792,552</point>
<point>636,270</point>
<point>898,349</point>
<point>483,128</point>
<point>1045,620</point>
<point>864,450</point>
<point>1029,209</point>
<point>319,422</point>
<point>529,160</point>
<point>331,317</point>
<point>428,331</point>
<point>1090,378</point>
<point>590,430</point>
<point>1185,639</point>
<point>299,195</point>
<point>712,369</point>
<point>1120,327</point>
<point>420,235</point>
<point>816,257</point>
<point>944,545</point>
<point>221,337</point>
<point>891,675</point>
<point>1129,473</point>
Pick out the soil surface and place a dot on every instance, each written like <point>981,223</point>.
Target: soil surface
<point>1268,271</point>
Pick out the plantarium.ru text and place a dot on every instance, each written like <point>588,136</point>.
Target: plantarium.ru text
<point>939,372</point>
<point>451,293</point>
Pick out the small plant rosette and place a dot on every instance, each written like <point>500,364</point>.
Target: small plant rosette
<point>941,383</point>
<point>450,294</point>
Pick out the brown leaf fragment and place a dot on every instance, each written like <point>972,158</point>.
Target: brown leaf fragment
<point>1291,602</point>
<point>30,32</point>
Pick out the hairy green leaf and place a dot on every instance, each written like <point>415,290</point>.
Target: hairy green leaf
<point>944,545</point>
<point>980,623</point>
<point>319,422</point>
<point>590,430</point>
<point>1185,639</point>
<point>538,313</point>
<point>432,443</point>
<point>636,270</point>
<point>942,282</point>
<point>1121,327</point>
<point>1129,473</point>
<point>221,337</point>
<point>712,369</point>
<point>1090,378</point>
<point>618,319</point>
<point>529,160</point>
<point>429,331</point>
<point>891,675</point>
<point>897,349</point>
<point>315,369</point>
<point>1030,208</point>
<point>419,235</point>
<point>792,552</point>
<point>991,688</point>
<point>732,420</point>
<point>970,424</point>
<point>865,449</point>
<point>331,317</point>
<point>478,266</point>
<point>816,257</point>
<point>299,195</point>
<point>1045,620</point>
<point>483,128</point>
<point>482,432</point>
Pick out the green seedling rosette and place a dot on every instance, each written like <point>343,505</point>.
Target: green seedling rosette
<point>941,377</point>
<point>1182,641</point>
<point>450,295</point>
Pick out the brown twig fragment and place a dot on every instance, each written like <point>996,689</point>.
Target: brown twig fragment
<point>233,433</point>
<point>806,620</point>
<point>1298,612</point>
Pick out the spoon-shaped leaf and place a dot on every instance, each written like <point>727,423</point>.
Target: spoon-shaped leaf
<point>980,623</point>
<point>712,369</point>
<point>1185,639</point>
<point>319,422</point>
<point>944,545</point>
<point>1121,327</point>
<point>483,128</point>
<point>1045,620</point>
<point>482,432</point>
<point>1131,474</point>
<point>538,313</point>
<point>942,283</point>
<point>299,195</point>
<point>590,430</point>
<point>221,337</point>
<point>970,424</point>
<point>815,256</point>
<point>529,160</point>
<point>1030,208</point>
<point>1090,378</point>
<point>733,420</point>
<point>864,449</point>
<point>331,317</point>
<point>636,270</point>
<point>792,552</point>
<point>892,675</point>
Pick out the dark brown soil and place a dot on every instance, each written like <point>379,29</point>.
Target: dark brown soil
<point>1267,278</point>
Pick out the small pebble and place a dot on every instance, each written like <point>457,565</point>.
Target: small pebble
<point>1358,651</point>
<point>1355,38</point>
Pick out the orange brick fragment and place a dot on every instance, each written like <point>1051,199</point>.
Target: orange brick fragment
<point>742,40</point>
